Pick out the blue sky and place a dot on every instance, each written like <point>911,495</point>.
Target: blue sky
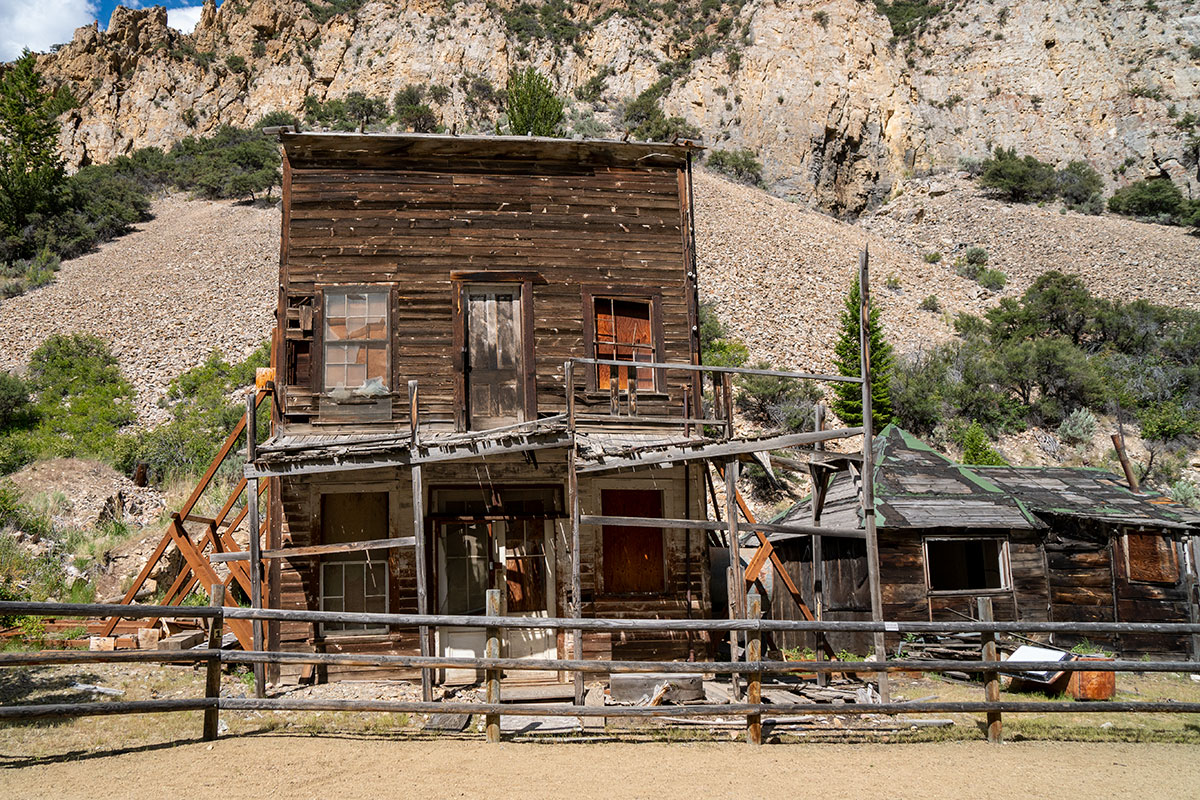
<point>38,24</point>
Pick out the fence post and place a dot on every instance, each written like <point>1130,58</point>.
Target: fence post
<point>991,679</point>
<point>754,656</point>
<point>492,676</point>
<point>212,682</point>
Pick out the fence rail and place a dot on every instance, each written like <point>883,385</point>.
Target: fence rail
<point>492,665</point>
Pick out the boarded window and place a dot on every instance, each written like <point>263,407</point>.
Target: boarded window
<point>1151,558</point>
<point>624,332</point>
<point>355,581</point>
<point>957,565</point>
<point>633,557</point>
<point>356,341</point>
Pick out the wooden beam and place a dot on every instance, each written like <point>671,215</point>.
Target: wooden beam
<point>347,547</point>
<point>717,450</point>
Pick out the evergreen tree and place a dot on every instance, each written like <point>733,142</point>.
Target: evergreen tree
<point>32,176</point>
<point>978,450</point>
<point>847,403</point>
<point>532,105</point>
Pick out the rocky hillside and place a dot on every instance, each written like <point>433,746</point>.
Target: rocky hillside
<point>839,102</point>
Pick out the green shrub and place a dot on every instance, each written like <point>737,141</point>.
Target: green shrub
<point>16,403</point>
<point>906,17</point>
<point>1186,493</point>
<point>740,164</point>
<point>933,258</point>
<point>778,403</point>
<point>644,119</point>
<point>532,106</point>
<point>411,113</point>
<point>976,256</point>
<point>978,450</point>
<point>278,119</point>
<point>991,279</point>
<point>1078,183</point>
<point>202,416</point>
<point>232,163</point>
<point>1147,198</point>
<point>717,347</point>
<point>1078,427</point>
<point>930,303</point>
<point>1018,179</point>
<point>236,63</point>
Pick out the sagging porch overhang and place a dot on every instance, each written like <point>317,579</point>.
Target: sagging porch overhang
<point>597,451</point>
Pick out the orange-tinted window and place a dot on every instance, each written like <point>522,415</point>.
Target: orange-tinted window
<point>624,333</point>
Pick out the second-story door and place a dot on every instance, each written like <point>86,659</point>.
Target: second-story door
<point>495,356</point>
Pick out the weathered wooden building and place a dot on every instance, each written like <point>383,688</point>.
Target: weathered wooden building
<point>1045,543</point>
<point>487,377</point>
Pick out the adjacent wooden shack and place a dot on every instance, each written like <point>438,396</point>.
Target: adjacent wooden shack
<point>1056,544</point>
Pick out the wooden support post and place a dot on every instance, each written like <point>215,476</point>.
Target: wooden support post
<point>212,680</point>
<point>754,656</point>
<point>737,582</point>
<point>614,392</point>
<point>991,679</point>
<point>576,547</point>
<point>818,547</point>
<point>418,506</point>
<point>868,468</point>
<point>492,676</point>
<point>1193,584</point>
<point>727,400</point>
<point>253,529</point>
<point>631,379</point>
<point>687,410</point>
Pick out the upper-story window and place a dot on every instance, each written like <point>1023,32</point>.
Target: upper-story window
<point>623,330</point>
<point>356,342</point>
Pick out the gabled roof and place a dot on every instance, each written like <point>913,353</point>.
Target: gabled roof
<point>917,487</point>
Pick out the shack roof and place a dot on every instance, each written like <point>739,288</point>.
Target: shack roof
<point>1088,492</point>
<point>917,487</point>
<point>312,148</point>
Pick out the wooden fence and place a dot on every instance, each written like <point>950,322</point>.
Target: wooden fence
<point>493,665</point>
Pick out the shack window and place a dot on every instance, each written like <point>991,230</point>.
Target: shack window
<point>1151,558</point>
<point>957,565</point>
<point>633,556</point>
<point>356,342</point>
<point>354,581</point>
<point>623,332</point>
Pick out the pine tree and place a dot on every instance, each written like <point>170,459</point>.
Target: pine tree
<point>847,402</point>
<point>532,106</point>
<point>32,174</point>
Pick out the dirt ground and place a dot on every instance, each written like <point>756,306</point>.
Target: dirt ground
<point>359,766</point>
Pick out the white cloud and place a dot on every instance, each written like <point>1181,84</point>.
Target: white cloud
<point>182,19</point>
<point>37,24</point>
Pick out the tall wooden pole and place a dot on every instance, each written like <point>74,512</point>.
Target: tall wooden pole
<point>418,507</point>
<point>818,555</point>
<point>737,582</point>
<point>868,462</point>
<point>576,547</point>
<point>252,525</point>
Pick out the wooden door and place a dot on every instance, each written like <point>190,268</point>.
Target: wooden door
<point>633,557</point>
<point>529,577</point>
<point>463,562</point>
<point>494,357</point>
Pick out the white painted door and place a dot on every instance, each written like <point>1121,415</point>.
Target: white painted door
<point>529,574</point>
<point>463,562</point>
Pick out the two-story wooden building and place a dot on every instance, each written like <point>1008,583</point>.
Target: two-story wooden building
<point>476,267</point>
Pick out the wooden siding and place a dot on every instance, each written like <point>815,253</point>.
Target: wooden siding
<point>686,565</point>
<point>408,225</point>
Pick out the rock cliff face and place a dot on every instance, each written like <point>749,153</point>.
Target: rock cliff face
<point>837,108</point>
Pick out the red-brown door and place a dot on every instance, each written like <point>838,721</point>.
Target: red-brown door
<point>632,557</point>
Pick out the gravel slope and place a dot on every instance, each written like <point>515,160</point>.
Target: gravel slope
<point>199,276</point>
<point>1118,258</point>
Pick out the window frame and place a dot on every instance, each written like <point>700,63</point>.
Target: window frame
<point>652,298</point>
<point>1006,580</point>
<point>388,290</point>
<point>366,630</point>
